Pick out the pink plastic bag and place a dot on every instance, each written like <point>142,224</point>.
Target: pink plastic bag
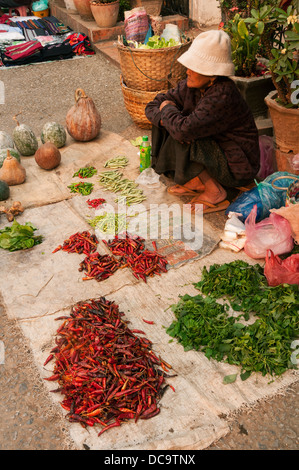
<point>279,271</point>
<point>267,156</point>
<point>273,233</point>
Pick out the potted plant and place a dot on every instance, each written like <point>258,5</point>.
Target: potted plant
<point>105,12</point>
<point>251,75</point>
<point>280,36</point>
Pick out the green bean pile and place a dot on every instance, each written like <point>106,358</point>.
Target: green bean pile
<point>117,162</point>
<point>113,181</point>
<point>109,223</point>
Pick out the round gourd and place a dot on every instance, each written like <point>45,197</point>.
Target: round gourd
<point>13,153</point>
<point>25,140</point>
<point>55,133</point>
<point>12,172</point>
<point>48,156</point>
<point>6,141</point>
<point>83,120</point>
<point>4,191</point>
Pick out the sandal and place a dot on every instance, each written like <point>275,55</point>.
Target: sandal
<point>178,190</point>
<point>211,207</point>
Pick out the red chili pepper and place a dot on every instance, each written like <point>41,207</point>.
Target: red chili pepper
<point>106,373</point>
<point>95,203</point>
<point>78,243</point>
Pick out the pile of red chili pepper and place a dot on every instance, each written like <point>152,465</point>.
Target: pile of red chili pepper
<point>95,203</point>
<point>125,245</point>
<point>106,372</point>
<point>98,266</point>
<point>79,243</point>
<point>143,262</point>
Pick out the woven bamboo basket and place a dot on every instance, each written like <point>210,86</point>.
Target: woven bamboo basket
<point>152,7</point>
<point>135,103</point>
<point>152,69</point>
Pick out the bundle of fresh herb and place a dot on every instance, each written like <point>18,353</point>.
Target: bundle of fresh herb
<point>19,237</point>
<point>263,346</point>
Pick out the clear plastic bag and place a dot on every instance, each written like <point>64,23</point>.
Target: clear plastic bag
<point>278,271</point>
<point>148,178</point>
<point>273,233</point>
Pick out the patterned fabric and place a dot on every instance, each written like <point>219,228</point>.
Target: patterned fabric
<point>80,44</point>
<point>220,114</point>
<point>23,50</point>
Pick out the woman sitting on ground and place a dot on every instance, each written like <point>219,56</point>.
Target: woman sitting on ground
<point>204,134</point>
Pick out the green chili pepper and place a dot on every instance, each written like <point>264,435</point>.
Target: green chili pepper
<point>82,188</point>
<point>86,172</point>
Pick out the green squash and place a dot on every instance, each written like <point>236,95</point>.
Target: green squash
<point>6,141</point>
<point>13,153</point>
<point>55,133</point>
<point>4,191</point>
<point>25,140</point>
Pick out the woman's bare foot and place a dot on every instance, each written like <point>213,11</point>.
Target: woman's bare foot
<point>195,184</point>
<point>213,194</point>
<point>191,187</point>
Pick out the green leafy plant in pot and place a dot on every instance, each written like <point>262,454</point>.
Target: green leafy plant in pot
<point>279,33</point>
<point>279,27</point>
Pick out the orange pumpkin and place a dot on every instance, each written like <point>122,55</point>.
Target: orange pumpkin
<point>83,121</point>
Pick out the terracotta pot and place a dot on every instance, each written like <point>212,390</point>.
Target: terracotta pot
<point>285,124</point>
<point>152,7</point>
<point>254,90</point>
<point>105,14</point>
<point>83,7</point>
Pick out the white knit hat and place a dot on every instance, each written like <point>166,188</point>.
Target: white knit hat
<point>210,54</point>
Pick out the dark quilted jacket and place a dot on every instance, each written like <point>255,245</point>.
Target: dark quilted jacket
<point>220,113</point>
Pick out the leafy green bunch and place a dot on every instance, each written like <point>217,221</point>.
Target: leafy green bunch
<point>19,237</point>
<point>258,339</point>
<point>245,46</point>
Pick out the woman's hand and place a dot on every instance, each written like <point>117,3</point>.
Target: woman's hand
<point>164,103</point>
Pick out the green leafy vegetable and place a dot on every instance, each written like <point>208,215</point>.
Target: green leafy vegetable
<point>264,345</point>
<point>155,42</point>
<point>19,237</point>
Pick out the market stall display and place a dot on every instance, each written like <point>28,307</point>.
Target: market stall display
<point>28,40</point>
